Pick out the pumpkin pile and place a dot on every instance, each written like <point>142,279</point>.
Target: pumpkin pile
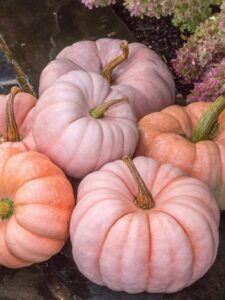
<point>144,224</point>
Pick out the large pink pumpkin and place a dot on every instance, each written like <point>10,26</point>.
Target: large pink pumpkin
<point>66,129</point>
<point>16,118</point>
<point>136,71</point>
<point>129,240</point>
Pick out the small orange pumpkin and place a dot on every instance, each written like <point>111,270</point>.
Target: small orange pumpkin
<point>16,118</point>
<point>191,137</point>
<point>36,201</point>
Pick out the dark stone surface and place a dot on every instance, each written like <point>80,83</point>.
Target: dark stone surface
<point>35,31</point>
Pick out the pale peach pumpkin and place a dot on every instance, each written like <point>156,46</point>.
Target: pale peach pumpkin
<point>133,69</point>
<point>81,123</point>
<point>189,139</point>
<point>16,118</point>
<point>150,228</point>
<point>36,202</point>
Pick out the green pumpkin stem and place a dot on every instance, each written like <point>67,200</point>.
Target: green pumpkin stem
<point>144,198</point>
<point>98,112</point>
<point>6,208</point>
<point>11,132</point>
<point>207,126</point>
<point>108,69</point>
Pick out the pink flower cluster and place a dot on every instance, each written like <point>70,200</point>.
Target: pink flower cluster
<point>211,85</point>
<point>97,3</point>
<point>204,48</point>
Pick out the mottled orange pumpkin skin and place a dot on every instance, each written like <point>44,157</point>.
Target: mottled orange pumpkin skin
<point>43,201</point>
<point>164,136</point>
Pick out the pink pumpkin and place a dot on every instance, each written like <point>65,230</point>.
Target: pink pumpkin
<point>133,69</point>
<point>76,128</point>
<point>144,226</point>
<point>16,117</point>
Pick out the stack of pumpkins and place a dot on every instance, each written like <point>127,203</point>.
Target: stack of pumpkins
<point>139,225</point>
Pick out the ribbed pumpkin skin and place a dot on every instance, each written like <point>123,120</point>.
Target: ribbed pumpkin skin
<point>143,76</point>
<point>64,130</point>
<point>43,202</point>
<point>23,111</point>
<point>161,138</point>
<point>126,248</point>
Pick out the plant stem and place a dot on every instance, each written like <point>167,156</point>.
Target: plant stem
<point>6,208</point>
<point>207,126</point>
<point>107,70</point>
<point>11,132</point>
<point>144,198</point>
<point>98,112</point>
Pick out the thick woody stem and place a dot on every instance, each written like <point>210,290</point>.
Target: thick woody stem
<point>108,69</point>
<point>98,112</point>
<point>207,126</point>
<point>11,132</point>
<point>144,198</point>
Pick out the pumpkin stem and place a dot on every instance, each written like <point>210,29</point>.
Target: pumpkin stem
<point>6,208</point>
<point>11,132</point>
<point>144,198</point>
<point>207,126</point>
<point>107,70</point>
<point>98,112</point>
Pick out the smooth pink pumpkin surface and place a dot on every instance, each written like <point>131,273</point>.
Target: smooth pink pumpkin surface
<point>23,111</point>
<point>143,76</point>
<point>65,131</point>
<point>43,201</point>
<point>126,248</point>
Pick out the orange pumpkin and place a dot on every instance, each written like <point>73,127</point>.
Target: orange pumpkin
<point>191,137</point>
<point>16,118</point>
<point>36,201</point>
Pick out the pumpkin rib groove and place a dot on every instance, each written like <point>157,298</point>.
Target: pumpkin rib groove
<point>150,251</point>
<point>123,250</point>
<point>105,239</point>
<point>34,233</point>
<point>154,85</point>
<point>55,140</point>
<point>169,283</point>
<point>112,128</point>
<point>187,235</point>
<point>187,204</point>
<point>21,244</point>
<point>167,185</point>
<point>164,82</point>
<point>6,244</point>
<point>121,179</point>
<point>196,161</point>
<point>37,178</point>
<point>90,207</point>
<point>101,145</point>
<point>112,191</point>
<point>168,112</point>
<point>98,55</point>
<point>204,216</point>
<point>42,108</point>
<point>153,181</point>
<point>221,165</point>
<point>208,225</point>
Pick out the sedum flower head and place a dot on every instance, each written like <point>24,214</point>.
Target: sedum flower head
<point>187,14</point>
<point>97,3</point>
<point>205,47</point>
<point>211,86</point>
